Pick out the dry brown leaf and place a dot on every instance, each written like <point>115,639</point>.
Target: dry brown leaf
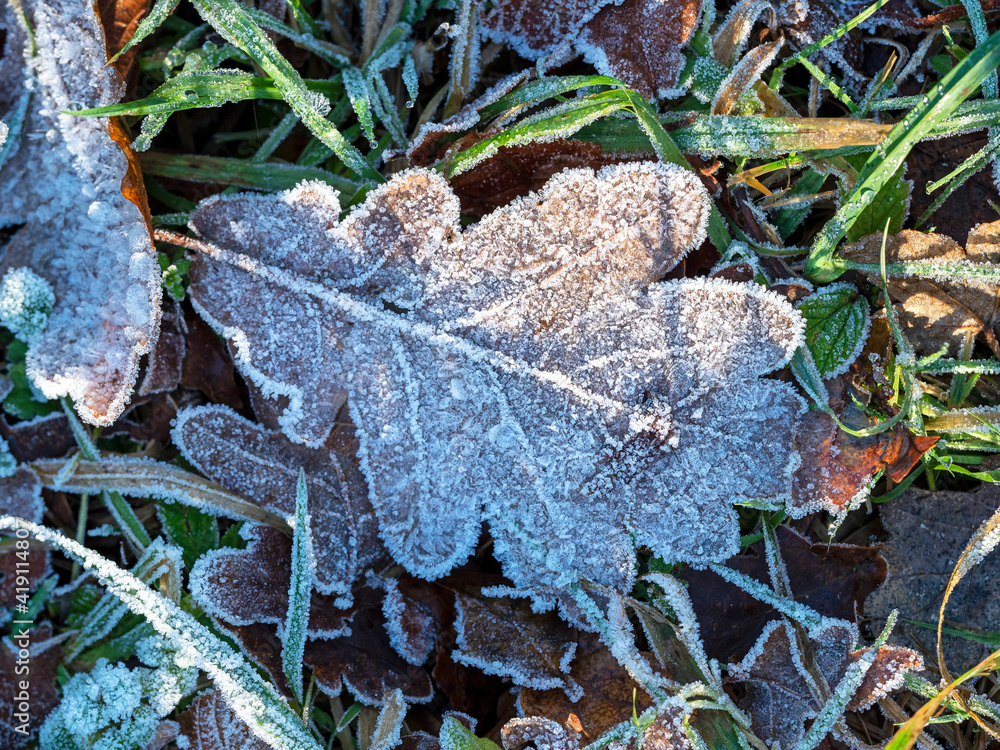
<point>609,693</point>
<point>782,694</point>
<point>636,41</point>
<point>934,312</point>
<point>503,637</point>
<point>516,171</point>
<point>79,197</point>
<point>639,42</point>
<point>927,533</point>
<point>209,724</point>
<point>832,579</point>
<point>120,19</point>
<point>837,466</point>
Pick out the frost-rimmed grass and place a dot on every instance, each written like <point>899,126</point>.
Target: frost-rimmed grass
<point>252,699</point>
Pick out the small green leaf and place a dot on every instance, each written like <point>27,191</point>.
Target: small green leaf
<point>891,203</point>
<point>193,531</point>
<point>454,736</point>
<point>837,323</point>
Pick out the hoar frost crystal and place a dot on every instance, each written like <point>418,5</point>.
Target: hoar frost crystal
<point>528,371</point>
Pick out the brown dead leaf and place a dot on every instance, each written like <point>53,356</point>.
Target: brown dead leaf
<point>516,171</point>
<point>637,41</point>
<point>207,364</point>
<point>832,579</point>
<point>781,694</point>
<point>836,466</point>
<point>42,437</point>
<point>504,637</point>
<point>640,41</point>
<point>26,701</point>
<point>927,533</point>
<point>933,312</point>
<point>209,724</point>
<point>165,365</point>
<point>608,692</point>
<point>120,19</point>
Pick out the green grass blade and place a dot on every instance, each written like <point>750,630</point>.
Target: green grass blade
<point>255,701</point>
<point>889,156</point>
<point>293,638</point>
<point>232,21</point>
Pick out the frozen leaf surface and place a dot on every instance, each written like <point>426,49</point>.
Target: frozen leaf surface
<point>64,181</point>
<point>248,586</point>
<point>528,365</point>
<point>782,694</point>
<point>263,466</point>
<point>209,724</point>
<point>939,311</point>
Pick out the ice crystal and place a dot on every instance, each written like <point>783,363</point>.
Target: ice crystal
<point>113,707</point>
<point>63,181</point>
<point>528,365</point>
<point>26,299</point>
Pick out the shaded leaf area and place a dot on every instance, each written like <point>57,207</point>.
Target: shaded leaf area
<point>504,382</point>
<point>73,185</point>
<point>21,568</point>
<point>516,171</point>
<point>636,41</point>
<point>969,204</point>
<point>783,693</point>
<point>832,579</point>
<point>23,710</point>
<point>927,533</point>
<point>837,467</point>
<point>209,724</point>
<point>936,311</point>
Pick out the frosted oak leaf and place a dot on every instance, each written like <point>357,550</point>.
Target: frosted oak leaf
<point>64,181</point>
<point>527,371</point>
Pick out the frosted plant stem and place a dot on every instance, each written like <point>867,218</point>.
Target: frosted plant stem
<point>132,529</point>
<point>293,638</point>
<point>977,20</point>
<point>81,531</point>
<point>253,699</point>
